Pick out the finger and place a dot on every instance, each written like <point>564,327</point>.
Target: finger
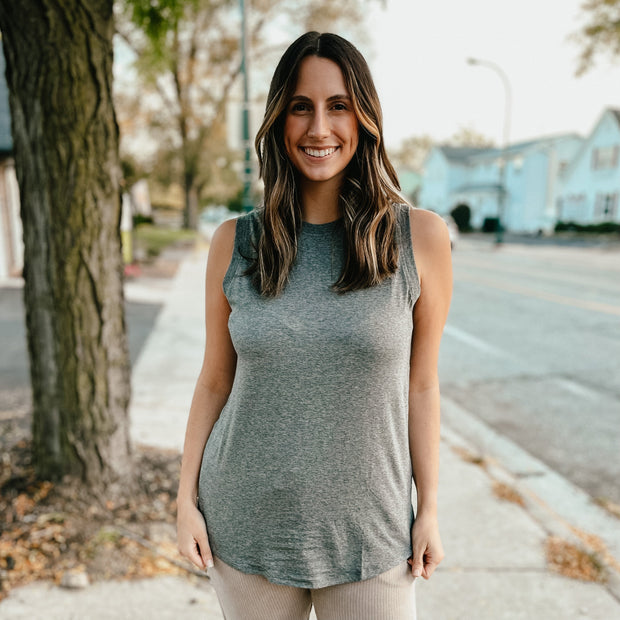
<point>204,551</point>
<point>417,565</point>
<point>429,569</point>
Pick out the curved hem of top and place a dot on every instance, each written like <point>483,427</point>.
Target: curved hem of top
<point>307,584</point>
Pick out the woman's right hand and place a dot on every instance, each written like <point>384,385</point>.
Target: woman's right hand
<point>192,539</point>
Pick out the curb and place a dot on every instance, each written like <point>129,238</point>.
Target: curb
<point>558,506</point>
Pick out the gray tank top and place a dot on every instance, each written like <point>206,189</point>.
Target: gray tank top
<point>306,476</point>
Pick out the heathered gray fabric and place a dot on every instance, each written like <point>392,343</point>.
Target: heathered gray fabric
<point>306,476</point>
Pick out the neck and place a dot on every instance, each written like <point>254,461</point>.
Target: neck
<point>319,202</point>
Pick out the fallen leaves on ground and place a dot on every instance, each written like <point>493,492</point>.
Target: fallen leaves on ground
<point>48,530</point>
<point>571,561</point>
<point>470,457</point>
<point>507,493</point>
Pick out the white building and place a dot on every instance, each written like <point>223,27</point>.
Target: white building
<point>11,238</point>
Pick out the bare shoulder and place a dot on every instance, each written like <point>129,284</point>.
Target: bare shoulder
<point>431,243</point>
<point>428,230</point>
<point>221,248</point>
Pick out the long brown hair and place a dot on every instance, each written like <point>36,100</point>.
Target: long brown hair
<point>368,192</point>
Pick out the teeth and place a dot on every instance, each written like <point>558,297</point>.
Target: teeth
<point>317,153</point>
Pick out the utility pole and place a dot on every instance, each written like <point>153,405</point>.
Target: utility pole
<point>247,166</point>
<point>501,197</point>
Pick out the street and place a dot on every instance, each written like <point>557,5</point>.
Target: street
<point>532,347</point>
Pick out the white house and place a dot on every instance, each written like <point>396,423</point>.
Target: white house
<point>590,184</point>
<point>11,239</point>
<point>471,177</point>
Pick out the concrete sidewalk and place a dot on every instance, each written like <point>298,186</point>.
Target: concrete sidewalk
<point>495,565</point>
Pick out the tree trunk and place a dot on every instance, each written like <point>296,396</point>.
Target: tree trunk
<point>59,72</point>
<point>190,212</point>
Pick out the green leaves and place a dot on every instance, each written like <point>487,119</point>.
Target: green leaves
<point>601,33</point>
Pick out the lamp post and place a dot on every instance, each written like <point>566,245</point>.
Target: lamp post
<point>247,166</point>
<point>505,137</point>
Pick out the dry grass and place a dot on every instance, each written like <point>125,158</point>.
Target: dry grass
<point>469,457</point>
<point>507,493</point>
<point>571,561</point>
<point>611,507</point>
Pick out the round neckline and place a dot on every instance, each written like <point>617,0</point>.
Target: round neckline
<point>317,228</point>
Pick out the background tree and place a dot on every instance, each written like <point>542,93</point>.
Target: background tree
<point>412,152</point>
<point>187,61</point>
<point>59,72</point>
<point>601,33</point>
<point>469,137</point>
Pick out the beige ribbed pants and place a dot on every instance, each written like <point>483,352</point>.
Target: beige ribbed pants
<point>388,596</point>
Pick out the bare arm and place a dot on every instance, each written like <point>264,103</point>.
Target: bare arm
<point>210,395</point>
<point>431,244</point>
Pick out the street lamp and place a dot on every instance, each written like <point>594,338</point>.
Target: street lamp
<point>505,137</point>
<point>247,168</point>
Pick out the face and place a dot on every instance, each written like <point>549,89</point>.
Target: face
<point>321,129</point>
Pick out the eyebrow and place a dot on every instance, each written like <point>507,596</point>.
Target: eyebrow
<point>332,98</point>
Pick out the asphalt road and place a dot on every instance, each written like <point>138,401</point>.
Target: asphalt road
<point>532,347</point>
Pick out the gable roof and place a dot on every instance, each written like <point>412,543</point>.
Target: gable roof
<point>466,155</point>
<point>458,153</point>
<point>6,140</point>
<point>615,114</point>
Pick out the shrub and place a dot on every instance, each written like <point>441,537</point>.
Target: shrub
<point>601,227</point>
<point>461,214</point>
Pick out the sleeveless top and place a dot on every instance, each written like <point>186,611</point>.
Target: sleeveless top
<point>306,476</point>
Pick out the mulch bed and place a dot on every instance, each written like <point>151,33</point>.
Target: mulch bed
<point>53,531</point>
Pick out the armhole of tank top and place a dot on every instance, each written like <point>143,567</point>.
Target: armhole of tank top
<point>410,268</point>
<point>231,271</point>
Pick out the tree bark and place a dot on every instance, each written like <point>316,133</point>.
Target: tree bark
<point>59,72</point>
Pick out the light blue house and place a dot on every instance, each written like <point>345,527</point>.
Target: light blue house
<point>471,177</point>
<point>590,184</point>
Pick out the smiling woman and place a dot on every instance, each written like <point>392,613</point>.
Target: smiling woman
<point>320,131</point>
<point>316,408</point>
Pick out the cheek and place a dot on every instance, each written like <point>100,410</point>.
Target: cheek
<point>291,129</point>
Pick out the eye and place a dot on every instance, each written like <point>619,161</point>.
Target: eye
<point>299,107</point>
<point>340,107</point>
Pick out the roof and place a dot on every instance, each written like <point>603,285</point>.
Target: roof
<point>585,145</point>
<point>478,187</point>
<point>6,140</point>
<point>463,154</point>
<point>455,153</point>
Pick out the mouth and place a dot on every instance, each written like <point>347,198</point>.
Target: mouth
<point>319,153</point>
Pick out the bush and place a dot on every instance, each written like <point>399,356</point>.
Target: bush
<point>141,219</point>
<point>461,214</point>
<point>601,227</point>
<point>490,224</point>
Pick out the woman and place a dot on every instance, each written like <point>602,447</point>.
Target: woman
<point>318,400</point>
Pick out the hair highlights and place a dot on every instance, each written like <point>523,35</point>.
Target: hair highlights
<point>366,196</point>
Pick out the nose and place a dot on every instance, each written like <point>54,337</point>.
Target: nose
<point>319,126</point>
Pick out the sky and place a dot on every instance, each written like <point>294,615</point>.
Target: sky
<point>418,50</point>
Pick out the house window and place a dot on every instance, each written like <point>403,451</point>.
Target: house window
<point>606,206</point>
<point>573,208</point>
<point>605,157</point>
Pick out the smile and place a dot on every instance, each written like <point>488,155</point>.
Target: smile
<point>319,153</point>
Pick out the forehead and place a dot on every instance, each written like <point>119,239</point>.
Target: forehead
<point>319,77</point>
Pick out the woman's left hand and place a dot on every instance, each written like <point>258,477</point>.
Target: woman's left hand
<point>426,545</point>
